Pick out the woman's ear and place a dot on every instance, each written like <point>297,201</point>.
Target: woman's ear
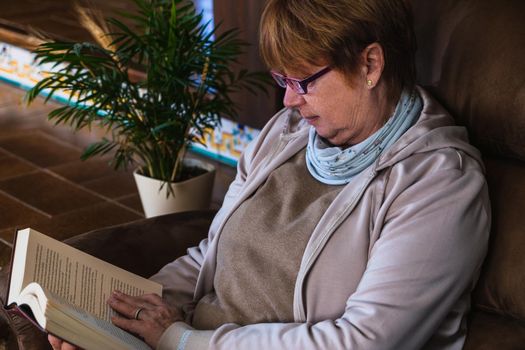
<point>373,60</point>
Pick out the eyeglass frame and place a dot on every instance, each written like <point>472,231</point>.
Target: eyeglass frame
<point>299,86</point>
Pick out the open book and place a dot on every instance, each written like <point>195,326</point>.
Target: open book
<point>64,292</point>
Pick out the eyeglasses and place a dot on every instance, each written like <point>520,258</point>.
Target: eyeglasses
<point>300,87</point>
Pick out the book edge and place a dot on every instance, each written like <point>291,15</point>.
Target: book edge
<point>15,240</point>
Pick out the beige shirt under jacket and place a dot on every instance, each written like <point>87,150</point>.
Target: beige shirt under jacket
<point>260,250</point>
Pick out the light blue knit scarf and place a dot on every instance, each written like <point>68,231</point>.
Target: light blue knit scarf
<point>337,166</point>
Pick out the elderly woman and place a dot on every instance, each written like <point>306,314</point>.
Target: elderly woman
<point>358,219</point>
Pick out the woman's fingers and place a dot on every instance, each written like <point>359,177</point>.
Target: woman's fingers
<point>56,343</point>
<point>146,315</point>
<point>59,344</point>
<point>152,299</point>
<point>144,305</point>
<point>67,346</point>
<point>127,306</point>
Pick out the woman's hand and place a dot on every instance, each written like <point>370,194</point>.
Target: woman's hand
<point>59,344</point>
<point>147,315</point>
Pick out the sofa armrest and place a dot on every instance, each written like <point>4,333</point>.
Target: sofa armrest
<point>146,245</point>
<point>142,247</point>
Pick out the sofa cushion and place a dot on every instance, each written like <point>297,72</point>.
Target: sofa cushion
<point>501,286</point>
<point>144,246</point>
<point>471,57</point>
<point>489,331</point>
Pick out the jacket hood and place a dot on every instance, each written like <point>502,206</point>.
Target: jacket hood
<point>434,130</point>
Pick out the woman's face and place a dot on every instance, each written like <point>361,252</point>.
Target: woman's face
<point>342,113</point>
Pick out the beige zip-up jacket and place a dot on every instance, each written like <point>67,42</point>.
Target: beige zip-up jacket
<point>391,263</point>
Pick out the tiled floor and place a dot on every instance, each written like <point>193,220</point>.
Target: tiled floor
<point>44,184</point>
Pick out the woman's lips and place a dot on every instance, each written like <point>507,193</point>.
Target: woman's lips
<point>311,119</point>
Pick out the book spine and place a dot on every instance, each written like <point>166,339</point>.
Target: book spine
<point>16,310</point>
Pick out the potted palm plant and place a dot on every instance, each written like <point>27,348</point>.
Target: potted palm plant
<point>185,88</point>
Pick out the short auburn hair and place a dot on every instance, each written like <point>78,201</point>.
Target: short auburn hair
<point>335,32</point>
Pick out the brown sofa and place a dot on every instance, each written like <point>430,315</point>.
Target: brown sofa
<point>472,58</point>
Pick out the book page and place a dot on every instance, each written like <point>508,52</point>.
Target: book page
<point>89,327</point>
<point>78,278</point>
<point>69,322</point>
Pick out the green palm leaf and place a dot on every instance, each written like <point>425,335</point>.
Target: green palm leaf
<point>188,80</point>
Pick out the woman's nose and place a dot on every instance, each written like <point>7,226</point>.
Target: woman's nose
<point>292,99</point>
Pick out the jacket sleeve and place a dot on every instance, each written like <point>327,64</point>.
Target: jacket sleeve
<point>432,241</point>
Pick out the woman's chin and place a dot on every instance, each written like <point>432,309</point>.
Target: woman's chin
<point>334,139</point>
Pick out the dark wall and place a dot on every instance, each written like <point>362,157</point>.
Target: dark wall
<point>254,111</point>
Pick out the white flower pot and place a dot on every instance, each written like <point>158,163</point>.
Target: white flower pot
<point>192,194</point>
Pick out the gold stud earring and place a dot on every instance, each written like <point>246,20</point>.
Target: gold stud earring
<point>369,82</point>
